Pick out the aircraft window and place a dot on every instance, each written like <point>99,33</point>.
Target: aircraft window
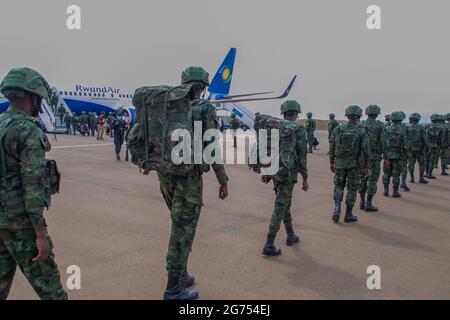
<point>70,93</point>
<point>103,94</point>
<point>90,94</point>
<point>65,93</point>
<point>74,93</point>
<point>60,93</point>
<point>85,94</point>
<point>120,96</point>
<point>112,95</point>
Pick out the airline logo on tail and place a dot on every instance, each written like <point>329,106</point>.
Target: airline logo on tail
<point>220,84</point>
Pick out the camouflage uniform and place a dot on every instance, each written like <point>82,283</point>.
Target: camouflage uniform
<point>374,129</point>
<point>310,128</point>
<point>332,124</point>
<point>22,192</point>
<point>349,152</point>
<point>75,122</point>
<point>93,124</point>
<point>445,144</point>
<point>435,139</point>
<point>183,196</point>
<point>404,173</point>
<point>394,150</point>
<point>234,124</point>
<point>417,147</point>
<point>68,122</point>
<point>62,112</point>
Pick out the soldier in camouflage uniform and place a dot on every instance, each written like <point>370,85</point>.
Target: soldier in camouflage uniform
<point>234,125</point>
<point>417,147</point>
<point>284,187</point>
<point>349,153</point>
<point>183,195</point>
<point>394,151</point>
<point>445,143</point>
<point>404,173</point>
<point>374,129</point>
<point>24,240</point>
<point>435,139</point>
<point>310,128</point>
<point>332,124</point>
<point>68,122</point>
<point>75,122</point>
<point>448,139</point>
<point>93,123</point>
<point>387,120</point>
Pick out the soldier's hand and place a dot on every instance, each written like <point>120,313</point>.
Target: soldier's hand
<point>332,168</point>
<point>42,248</point>
<point>305,185</point>
<point>223,191</point>
<point>367,172</point>
<point>386,163</point>
<point>265,179</point>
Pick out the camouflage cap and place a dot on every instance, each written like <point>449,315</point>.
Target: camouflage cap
<point>415,116</point>
<point>353,111</point>
<point>195,74</point>
<point>21,80</point>
<point>397,116</point>
<point>373,110</point>
<point>309,114</point>
<point>332,115</point>
<point>290,105</point>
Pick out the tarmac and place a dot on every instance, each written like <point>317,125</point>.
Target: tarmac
<point>112,222</point>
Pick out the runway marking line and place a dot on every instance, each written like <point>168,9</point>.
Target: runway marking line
<point>83,145</point>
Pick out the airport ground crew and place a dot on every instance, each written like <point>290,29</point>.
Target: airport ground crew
<point>405,157</point>
<point>349,153</point>
<point>394,150</point>
<point>183,195</point>
<point>68,122</point>
<point>310,128</point>
<point>445,144</point>
<point>417,147</point>
<point>284,187</point>
<point>332,124</point>
<point>374,129</point>
<point>24,240</point>
<point>435,140</point>
<point>101,126</point>
<point>118,126</point>
<point>61,112</point>
<point>234,125</point>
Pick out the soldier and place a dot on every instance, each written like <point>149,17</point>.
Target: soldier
<point>75,121</point>
<point>445,143</point>
<point>332,124</point>
<point>109,120</point>
<point>349,153</point>
<point>83,123</point>
<point>68,122</point>
<point>404,173</point>
<point>310,128</point>
<point>394,150</point>
<point>183,195</point>
<point>435,140</point>
<point>387,120</point>
<point>61,112</point>
<point>93,123</point>
<point>118,126</point>
<point>284,187</point>
<point>234,125</point>
<point>417,147</point>
<point>374,129</point>
<point>89,117</point>
<point>24,240</point>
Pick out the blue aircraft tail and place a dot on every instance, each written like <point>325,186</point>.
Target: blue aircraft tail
<point>220,84</point>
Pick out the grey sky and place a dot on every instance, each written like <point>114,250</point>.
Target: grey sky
<point>340,62</point>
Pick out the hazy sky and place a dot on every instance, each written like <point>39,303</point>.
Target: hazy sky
<point>326,42</point>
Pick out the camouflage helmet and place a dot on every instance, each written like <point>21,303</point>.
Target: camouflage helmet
<point>309,114</point>
<point>332,115</point>
<point>448,115</point>
<point>353,111</point>
<point>397,116</point>
<point>233,115</point>
<point>195,74</point>
<point>415,116</point>
<point>434,117</point>
<point>403,115</point>
<point>290,105</point>
<point>387,117</point>
<point>21,80</point>
<point>373,110</point>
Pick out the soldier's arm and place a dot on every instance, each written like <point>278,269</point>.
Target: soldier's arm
<point>210,122</point>
<point>302,152</point>
<point>383,143</point>
<point>365,149</point>
<point>32,166</point>
<point>332,143</point>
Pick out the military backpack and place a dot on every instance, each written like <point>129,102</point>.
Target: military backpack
<point>347,141</point>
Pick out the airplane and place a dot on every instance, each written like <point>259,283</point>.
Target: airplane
<point>111,99</point>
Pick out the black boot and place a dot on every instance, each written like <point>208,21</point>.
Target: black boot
<point>444,173</point>
<point>412,177</point>
<point>117,156</point>
<point>395,193</point>
<point>422,178</point>
<point>337,211</point>
<point>403,184</point>
<point>349,217</point>
<point>291,236</point>
<point>362,204</point>
<point>369,206</point>
<point>186,280</point>
<point>269,248</point>
<point>175,291</point>
<point>386,190</point>
<point>430,174</point>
